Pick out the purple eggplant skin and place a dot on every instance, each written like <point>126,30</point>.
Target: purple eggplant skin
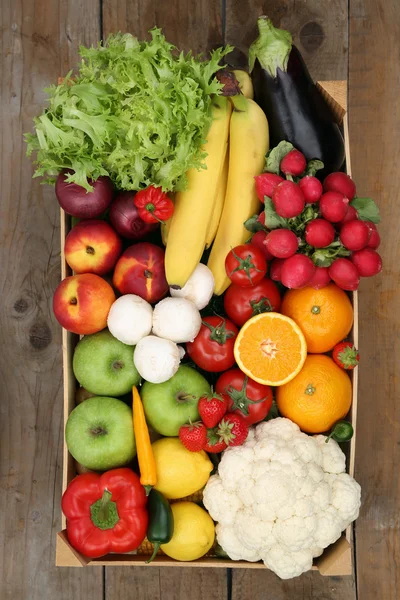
<point>296,111</point>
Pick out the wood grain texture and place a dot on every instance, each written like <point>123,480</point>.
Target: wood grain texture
<point>319,30</point>
<point>191,25</point>
<point>375,145</point>
<point>310,586</point>
<point>35,49</point>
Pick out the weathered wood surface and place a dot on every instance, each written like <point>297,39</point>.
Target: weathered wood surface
<point>39,42</point>
<point>375,145</point>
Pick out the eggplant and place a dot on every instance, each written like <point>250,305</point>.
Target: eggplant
<point>295,109</point>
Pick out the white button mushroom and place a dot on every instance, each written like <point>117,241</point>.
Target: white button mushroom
<point>199,287</point>
<point>176,319</point>
<point>130,319</point>
<point>157,359</point>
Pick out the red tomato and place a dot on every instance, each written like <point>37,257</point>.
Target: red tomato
<point>245,265</point>
<point>212,349</point>
<point>247,398</point>
<point>243,303</point>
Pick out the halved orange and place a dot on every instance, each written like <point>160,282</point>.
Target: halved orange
<point>270,348</point>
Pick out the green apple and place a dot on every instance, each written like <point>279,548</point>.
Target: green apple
<point>104,366</point>
<point>99,433</point>
<point>171,404</point>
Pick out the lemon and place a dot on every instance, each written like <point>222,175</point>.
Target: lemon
<point>194,532</point>
<point>179,471</point>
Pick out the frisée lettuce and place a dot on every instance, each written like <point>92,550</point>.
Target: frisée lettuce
<point>136,111</point>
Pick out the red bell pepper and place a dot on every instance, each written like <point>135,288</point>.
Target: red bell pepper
<point>153,205</point>
<point>105,513</point>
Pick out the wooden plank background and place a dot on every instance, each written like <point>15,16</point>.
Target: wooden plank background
<point>39,40</point>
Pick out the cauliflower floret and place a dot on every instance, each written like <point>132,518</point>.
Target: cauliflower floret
<point>220,503</point>
<point>287,564</point>
<point>281,428</point>
<point>281,497</point>
<point>333,459</point>
<point>346,499</point>
<point>329,527</point>
<point>253,531</point>
<point>234,465</point>
<point>322,495</point>
<point>227,538</point>
<point>306,449</point>
<point>296,533</point>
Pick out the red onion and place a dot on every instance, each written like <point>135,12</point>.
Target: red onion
<point>76,201</point>
<point>125,218</point>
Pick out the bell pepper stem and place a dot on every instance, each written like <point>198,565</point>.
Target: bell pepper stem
<point>104,505</point>
<point>156,549</point>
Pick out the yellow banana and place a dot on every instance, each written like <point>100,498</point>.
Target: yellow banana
<point>218,203</point>
<point>248,144</point>
<point>193,207</point>
<point>245,83</point>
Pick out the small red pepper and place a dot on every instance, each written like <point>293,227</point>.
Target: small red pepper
<point>154,205</point>
<point>105,513</point>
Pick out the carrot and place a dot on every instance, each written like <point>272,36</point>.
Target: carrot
<point>147,465</point>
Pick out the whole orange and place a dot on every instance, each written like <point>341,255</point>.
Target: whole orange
<point>325,316</point>
<point>317,397</point>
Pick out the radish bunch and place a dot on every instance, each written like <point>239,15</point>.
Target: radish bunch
<point>311,232</point>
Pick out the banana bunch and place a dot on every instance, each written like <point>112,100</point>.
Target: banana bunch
<point>221,197</point>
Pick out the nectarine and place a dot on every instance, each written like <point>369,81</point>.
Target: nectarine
<point>81,303</point>
<point>92,246</point>
<point>140,270</point>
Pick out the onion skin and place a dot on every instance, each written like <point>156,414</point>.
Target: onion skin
<point>124,217</point>
<point>77,202</point>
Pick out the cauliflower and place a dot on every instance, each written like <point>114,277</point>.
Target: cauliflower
<point>281,497</point>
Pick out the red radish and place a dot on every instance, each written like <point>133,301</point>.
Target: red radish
<point>320,279</point>
<point>297,271</point>
<point>294,163</point>
<point>333,206</point>
<point>258,240</point>
<point>288,199</point>
<point>344,274</point>
<point>319,233</point>
<point>354,235</point>
<point>275,269</point>
<point>311,188</point>
<point>340,182</point>
<point>281,243</point>
<point>76,201</point>
<point>266,183</point>
<point>351,215</point>
<point>367,262</point>
<point>375,239</point>
<point>124,217</point>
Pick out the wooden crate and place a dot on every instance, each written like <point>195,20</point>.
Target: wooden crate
<point>338,558</point>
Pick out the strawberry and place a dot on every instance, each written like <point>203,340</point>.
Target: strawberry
<point>214,443</point>
<point>233,429</point>
<point>193,436</point>
<point>346,355</point>
<point>212,408</point>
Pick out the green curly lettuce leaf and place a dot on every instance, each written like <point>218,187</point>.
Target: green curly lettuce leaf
<point>136,111</point>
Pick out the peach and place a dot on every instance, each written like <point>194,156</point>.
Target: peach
<point>92,246</point>
<point>81,303</point>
